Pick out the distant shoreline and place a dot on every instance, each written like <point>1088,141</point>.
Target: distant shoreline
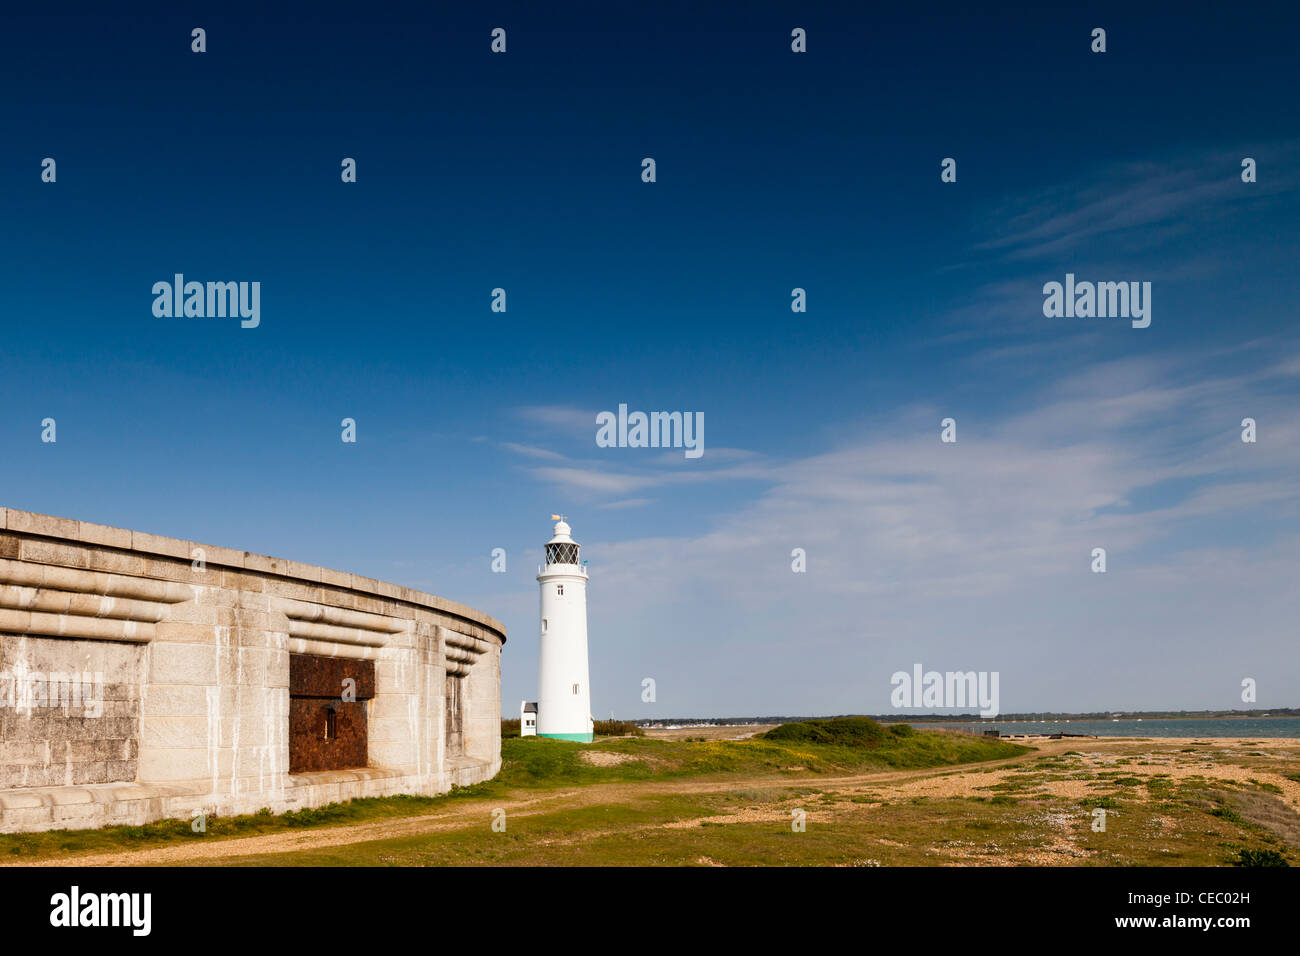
<point>1024,720</point>
<point>1283,712</point>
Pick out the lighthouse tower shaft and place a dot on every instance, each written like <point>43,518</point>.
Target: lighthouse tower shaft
<point>563,694</point>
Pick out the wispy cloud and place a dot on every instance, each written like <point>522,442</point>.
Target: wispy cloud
<point>979,552</point>
<point>531,451</point>
<point>626,503</point>
<point>565,418</point>
<point>1176,221</point>
<point>1142,205</point>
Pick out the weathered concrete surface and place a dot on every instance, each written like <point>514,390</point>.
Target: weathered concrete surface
<point>191,646</point>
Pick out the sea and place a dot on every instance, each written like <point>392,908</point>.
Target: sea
<point>1146,727</point>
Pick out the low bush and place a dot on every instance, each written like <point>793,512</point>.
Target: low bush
<point>617,728</point>
<point>1260,858</point>
<point>839,731</point>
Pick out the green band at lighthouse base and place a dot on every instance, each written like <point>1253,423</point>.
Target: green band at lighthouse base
<point>581,738</point>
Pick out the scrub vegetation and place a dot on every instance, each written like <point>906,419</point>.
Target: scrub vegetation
<point>867,794</point>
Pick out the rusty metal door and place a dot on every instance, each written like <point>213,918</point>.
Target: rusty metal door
<point>328,705</point>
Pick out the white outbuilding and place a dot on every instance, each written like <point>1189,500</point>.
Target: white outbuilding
<point>528,718</point>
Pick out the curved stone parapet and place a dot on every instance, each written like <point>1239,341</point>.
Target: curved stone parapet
<point>144,677</point>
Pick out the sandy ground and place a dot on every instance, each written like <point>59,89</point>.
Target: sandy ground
<point>1164,756</point>
<point>735,732</point>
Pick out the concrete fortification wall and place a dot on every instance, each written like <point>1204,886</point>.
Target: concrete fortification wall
<point>144,677</point>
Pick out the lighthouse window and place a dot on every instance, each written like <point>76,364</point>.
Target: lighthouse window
<point>561,554</point>
<point>575,688</point>
<point>559,589</point>
<point>543,625</point>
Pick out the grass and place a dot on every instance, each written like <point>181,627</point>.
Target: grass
<point>171,832</point>
<point>917,832</point>
<point>533,763</point>
<point>734,807</point>
<point>1260,858</point>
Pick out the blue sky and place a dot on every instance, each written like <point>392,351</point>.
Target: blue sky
<point>775,170</point>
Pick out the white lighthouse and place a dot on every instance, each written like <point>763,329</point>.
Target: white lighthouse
<point>563,695</point>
